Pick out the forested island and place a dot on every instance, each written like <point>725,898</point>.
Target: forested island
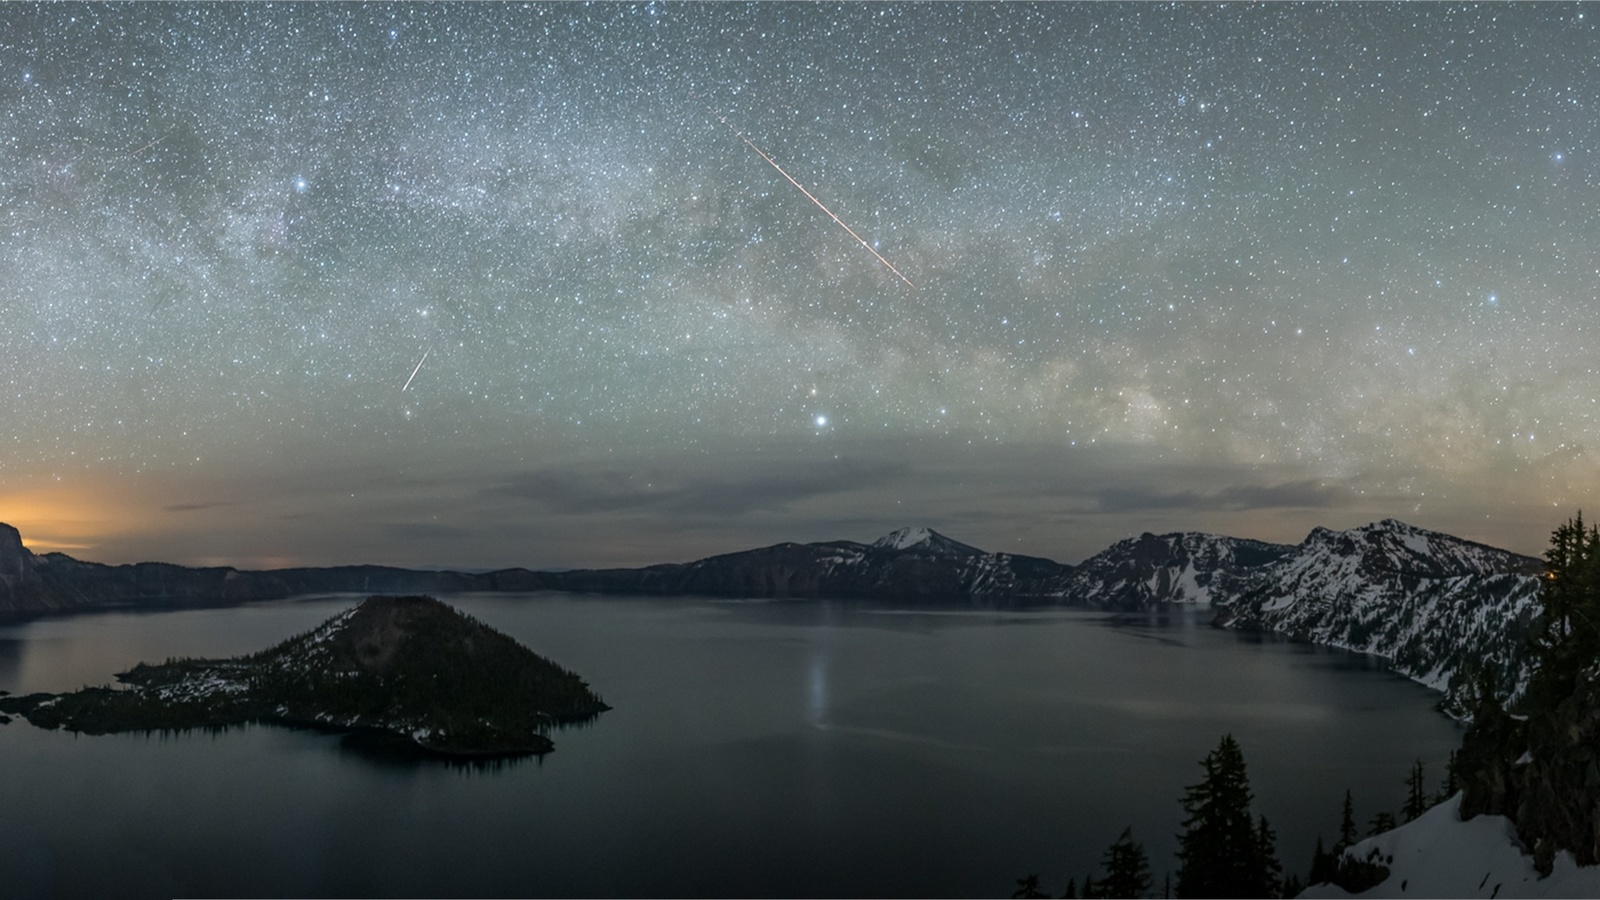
<point>411,668</point>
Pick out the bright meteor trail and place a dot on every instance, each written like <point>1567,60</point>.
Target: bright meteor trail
<point>417,369</point>
<point>813,197</point>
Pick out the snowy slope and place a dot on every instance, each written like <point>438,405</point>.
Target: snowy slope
<point>1183,567</point>
<point>1439,855</point>
<point>1429,602</point>
<point>925,540</point>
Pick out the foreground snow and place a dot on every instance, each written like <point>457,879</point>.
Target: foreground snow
<point>1439,855</point>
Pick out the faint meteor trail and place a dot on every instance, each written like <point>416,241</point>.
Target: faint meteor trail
<point>152,143</point>
<point>417,369</point>
<point>813,198</point>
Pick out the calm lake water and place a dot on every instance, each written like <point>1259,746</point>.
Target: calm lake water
<point>755,749</point>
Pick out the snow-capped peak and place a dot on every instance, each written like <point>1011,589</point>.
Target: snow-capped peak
<point>924,540</point>
<point>1396,546</point>
<point>902,538</point>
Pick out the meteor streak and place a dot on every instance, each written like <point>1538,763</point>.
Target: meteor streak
<point>152,143</point>
<point>813,198</point>
<point>417,369</point>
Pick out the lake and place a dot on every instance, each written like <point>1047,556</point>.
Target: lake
<point>755,748</point>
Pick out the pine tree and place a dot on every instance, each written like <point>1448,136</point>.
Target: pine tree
<point>1090,889</point>
<point>1567,631</point>
<point>1267,859</point>
<point>1416,799</point>
<point>1219,851</point>
<point>1449,788</point>
<point>1072,889</point>
<point>1127,868</point>
<point>1028,888</point>
<point>1324,865</point>
<point>1380,823</point>
<point>1292,886</point>
<point>1347,825</point>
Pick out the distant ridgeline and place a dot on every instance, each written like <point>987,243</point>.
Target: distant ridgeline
<point>410,668</point>
<point>1429,602</point>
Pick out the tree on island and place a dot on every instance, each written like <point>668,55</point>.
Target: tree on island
<point>1221,852</point>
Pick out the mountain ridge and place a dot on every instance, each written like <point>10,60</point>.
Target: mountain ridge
<point>1430,603</point>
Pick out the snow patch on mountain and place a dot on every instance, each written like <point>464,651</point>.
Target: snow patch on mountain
<point>1183,567</point>
<point>903,538</point>
<point>925,540</point>
<point>1439,855</point>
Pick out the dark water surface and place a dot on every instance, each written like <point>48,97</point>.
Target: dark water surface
<point>755,749</point>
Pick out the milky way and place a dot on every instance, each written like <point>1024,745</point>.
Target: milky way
<point>1233,268</point>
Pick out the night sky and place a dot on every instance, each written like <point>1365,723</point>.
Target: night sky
<point>1231,268</point>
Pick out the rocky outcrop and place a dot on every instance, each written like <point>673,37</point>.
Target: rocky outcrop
<point>20,585</point>
<point>16,561</point>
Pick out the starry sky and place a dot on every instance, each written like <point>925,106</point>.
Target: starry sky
<point>1245,269</point>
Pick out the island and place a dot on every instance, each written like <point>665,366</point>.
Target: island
<point>416,670</point>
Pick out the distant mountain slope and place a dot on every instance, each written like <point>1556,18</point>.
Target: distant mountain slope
<point>913,565</point>
<point>1185,567</point>
<point>906,565</point>
<point>1431,603</point>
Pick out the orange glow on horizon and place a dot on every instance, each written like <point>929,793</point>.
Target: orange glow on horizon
<point>66,519</point>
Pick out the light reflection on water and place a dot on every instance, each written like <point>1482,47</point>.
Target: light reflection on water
<point>767,747</point>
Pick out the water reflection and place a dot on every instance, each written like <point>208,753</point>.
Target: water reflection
<point>919,752</point>
<point>819,685</point>
<point>392,752</point>
<point>11,650</point>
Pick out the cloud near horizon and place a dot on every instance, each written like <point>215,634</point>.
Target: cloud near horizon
<point>1299,495</point>
<point>582,489</point>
